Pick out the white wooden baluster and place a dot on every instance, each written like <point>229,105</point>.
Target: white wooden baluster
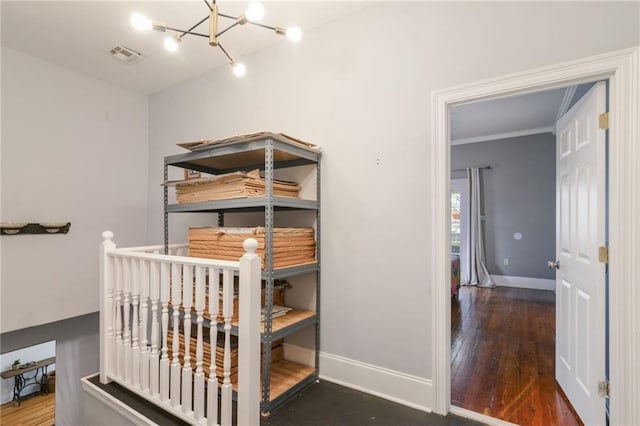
<point>249,338</point>
<point>144,325</point>
<point>164,361</point>
<point>198,378</point>
<point>176,300</point>
<point>126,313</point>
<point>135,325</point>
<point>227,312</point>
<point>154,358</point>
<point>118,317</point>
<point>212,384</point>
<point>106,307</point>
<point>187,301</point>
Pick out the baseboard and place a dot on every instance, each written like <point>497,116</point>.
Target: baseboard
<point>405,389</point>
<point>483,418</point>
<point>524,282</point>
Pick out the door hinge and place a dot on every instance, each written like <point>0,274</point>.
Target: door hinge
<point>603,254</point>
<point>603,121</point>
<point>603,389</point>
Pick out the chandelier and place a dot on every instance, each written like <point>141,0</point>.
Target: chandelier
<point>253,15</point>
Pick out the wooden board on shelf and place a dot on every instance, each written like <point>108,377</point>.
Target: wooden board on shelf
<point>292,317</point>
<point>285,375</point>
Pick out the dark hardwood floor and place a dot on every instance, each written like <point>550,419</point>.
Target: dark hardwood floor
<point>502,356</point>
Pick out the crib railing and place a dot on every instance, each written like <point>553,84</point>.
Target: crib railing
<point>140,290</point>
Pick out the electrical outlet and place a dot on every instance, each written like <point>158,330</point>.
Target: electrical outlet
<point>506,261</point>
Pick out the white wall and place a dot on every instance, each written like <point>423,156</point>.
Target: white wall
<point>31,353</point>
<point>73,149</point>
<point>360,88</point>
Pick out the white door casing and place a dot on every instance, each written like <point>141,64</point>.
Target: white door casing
<point>622,68</point>
<point>580,279</point>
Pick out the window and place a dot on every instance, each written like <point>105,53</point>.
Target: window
<point>459,219</point>
<point>455,221</point>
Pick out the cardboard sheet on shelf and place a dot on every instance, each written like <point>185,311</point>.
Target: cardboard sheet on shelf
<point>230,186</point>
<point>247,137</point>
<point>291,246</point>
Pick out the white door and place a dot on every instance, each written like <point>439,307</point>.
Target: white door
<point>580,277</point>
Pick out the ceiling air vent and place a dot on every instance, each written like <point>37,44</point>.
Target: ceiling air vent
<point>125,54</point>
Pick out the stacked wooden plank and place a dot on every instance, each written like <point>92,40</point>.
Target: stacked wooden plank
<point>291,246</point>
<point>232,185</point>
<point>277,354</point>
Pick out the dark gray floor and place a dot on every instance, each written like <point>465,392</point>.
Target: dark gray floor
<point>321,404</point>
<point>328,404</point>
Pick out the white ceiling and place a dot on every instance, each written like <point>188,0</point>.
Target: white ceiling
<point>77,34</point>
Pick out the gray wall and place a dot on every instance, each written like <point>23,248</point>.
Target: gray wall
<point>519,196</point>
<point>77,355</point>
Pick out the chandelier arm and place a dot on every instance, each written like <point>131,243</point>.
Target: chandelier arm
<point>225,53</point>
<point>187,32</point>
<point>263,26</point>
<point>194,26</point>
<point>208,5</point>
<point>235,18</point>
<point>228,28</point>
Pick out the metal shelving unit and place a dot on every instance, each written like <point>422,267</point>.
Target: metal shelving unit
<point>266,152</point>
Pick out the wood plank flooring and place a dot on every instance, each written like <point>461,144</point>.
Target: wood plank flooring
<point>38,410</point>
<point>502,356</point>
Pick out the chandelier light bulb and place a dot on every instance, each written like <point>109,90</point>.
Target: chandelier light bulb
<point>239,69</point>
<point>140,22</point>
<point>171,44</point>
<point>294,34</point>
<point>255,11</point>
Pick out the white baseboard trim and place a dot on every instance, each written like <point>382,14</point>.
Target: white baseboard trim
<point>412,391</point>
<point>524,282</point>
<point>483,418</point>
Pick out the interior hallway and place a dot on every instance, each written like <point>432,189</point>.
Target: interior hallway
<point>502,356</point>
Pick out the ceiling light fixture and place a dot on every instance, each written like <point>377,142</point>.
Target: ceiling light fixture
<point>253,14</point>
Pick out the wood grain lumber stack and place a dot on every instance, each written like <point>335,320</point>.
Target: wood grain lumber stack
<point>231,185</point>
<point>291,246</point>
<point>277,354</point>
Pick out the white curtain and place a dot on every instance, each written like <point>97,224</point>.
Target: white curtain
<point>476,272</point>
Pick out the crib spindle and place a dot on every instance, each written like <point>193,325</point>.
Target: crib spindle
<point>135,325</point>
<point>144,325</point>
<point>164,359</point>
<point>227,312</point>
<point>154,358</point>
<point>198,377</point>
<point>176,300</point>
<point>118,320</point>
<point>212,384</point>
<point>126,313</point>
<point>187,376</point>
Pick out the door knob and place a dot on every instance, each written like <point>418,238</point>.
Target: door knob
<point>553,265</point>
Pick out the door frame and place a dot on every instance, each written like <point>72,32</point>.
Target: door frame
<point>622,68</point>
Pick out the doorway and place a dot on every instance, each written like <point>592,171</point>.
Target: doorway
<point>503,339</point>
<point>622,69</point>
